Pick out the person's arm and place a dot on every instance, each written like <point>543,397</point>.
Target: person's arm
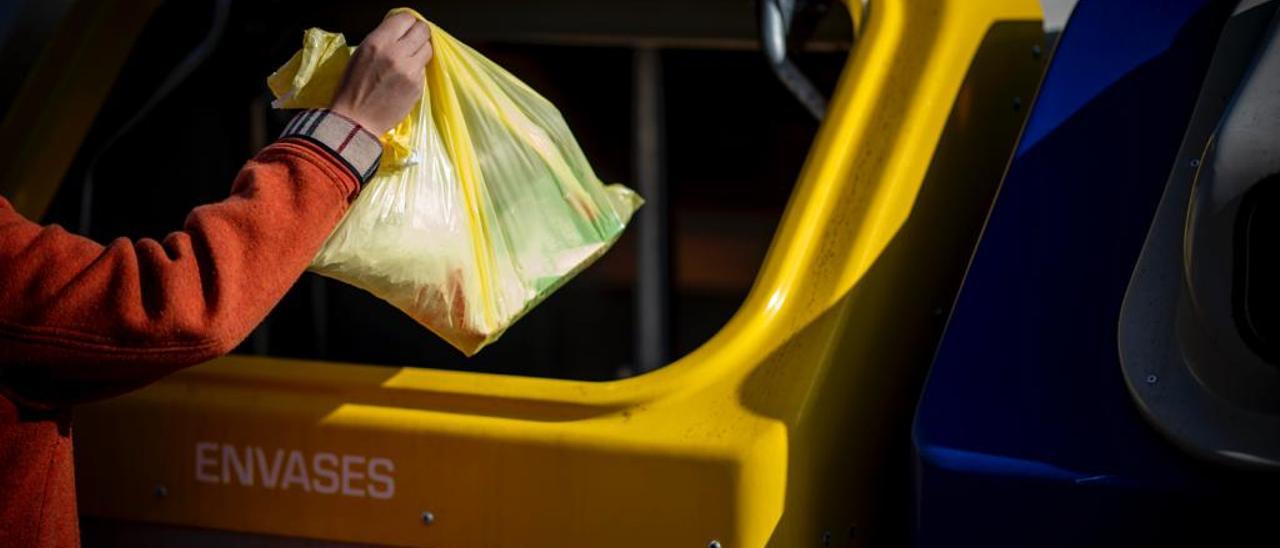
<point>79,319</point>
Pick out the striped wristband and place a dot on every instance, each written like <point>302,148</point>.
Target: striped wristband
<point>359,149</point>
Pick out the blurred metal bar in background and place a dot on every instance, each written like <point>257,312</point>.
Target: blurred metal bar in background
<point>260,339</point>
<point>319,316</point>
<point>778,18</point>
<point>653,259</point>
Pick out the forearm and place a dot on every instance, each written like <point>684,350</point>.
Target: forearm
<point>72,310</point>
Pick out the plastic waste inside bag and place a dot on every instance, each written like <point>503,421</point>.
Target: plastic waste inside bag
<point>483,205</point>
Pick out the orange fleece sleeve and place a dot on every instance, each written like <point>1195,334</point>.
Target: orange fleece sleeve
<point>80,321</point>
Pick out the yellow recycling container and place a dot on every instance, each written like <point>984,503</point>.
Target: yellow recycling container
<point>787,428</point>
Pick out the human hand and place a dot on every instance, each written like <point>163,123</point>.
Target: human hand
<point>385,77</point>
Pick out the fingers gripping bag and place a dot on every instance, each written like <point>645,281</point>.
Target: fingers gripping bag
<point>483,205</point>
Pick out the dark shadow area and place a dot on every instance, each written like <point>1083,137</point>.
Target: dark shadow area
<point>1255,293</point>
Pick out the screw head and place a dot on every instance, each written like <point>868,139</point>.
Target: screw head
<point>1195,162</point>
<point>428,518</point>
<point>713,544</point>
<point>160,491</point>
<point>1151,379</point>
<point>1036,51</point>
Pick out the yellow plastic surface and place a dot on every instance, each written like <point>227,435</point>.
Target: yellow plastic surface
<point>779,429</point>
<point>483,204</point>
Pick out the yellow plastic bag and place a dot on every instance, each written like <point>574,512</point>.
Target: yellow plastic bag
<point>483,205</point>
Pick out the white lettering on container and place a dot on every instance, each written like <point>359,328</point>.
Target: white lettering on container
<point>328,472</point>
<point>232,463</point>
<point>351,465</point>
<point>382,485</point>
<point>204,462</point>
<point>296,472</point>
<point>324,473</point>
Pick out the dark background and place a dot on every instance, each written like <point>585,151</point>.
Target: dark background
<point>734,141</point>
